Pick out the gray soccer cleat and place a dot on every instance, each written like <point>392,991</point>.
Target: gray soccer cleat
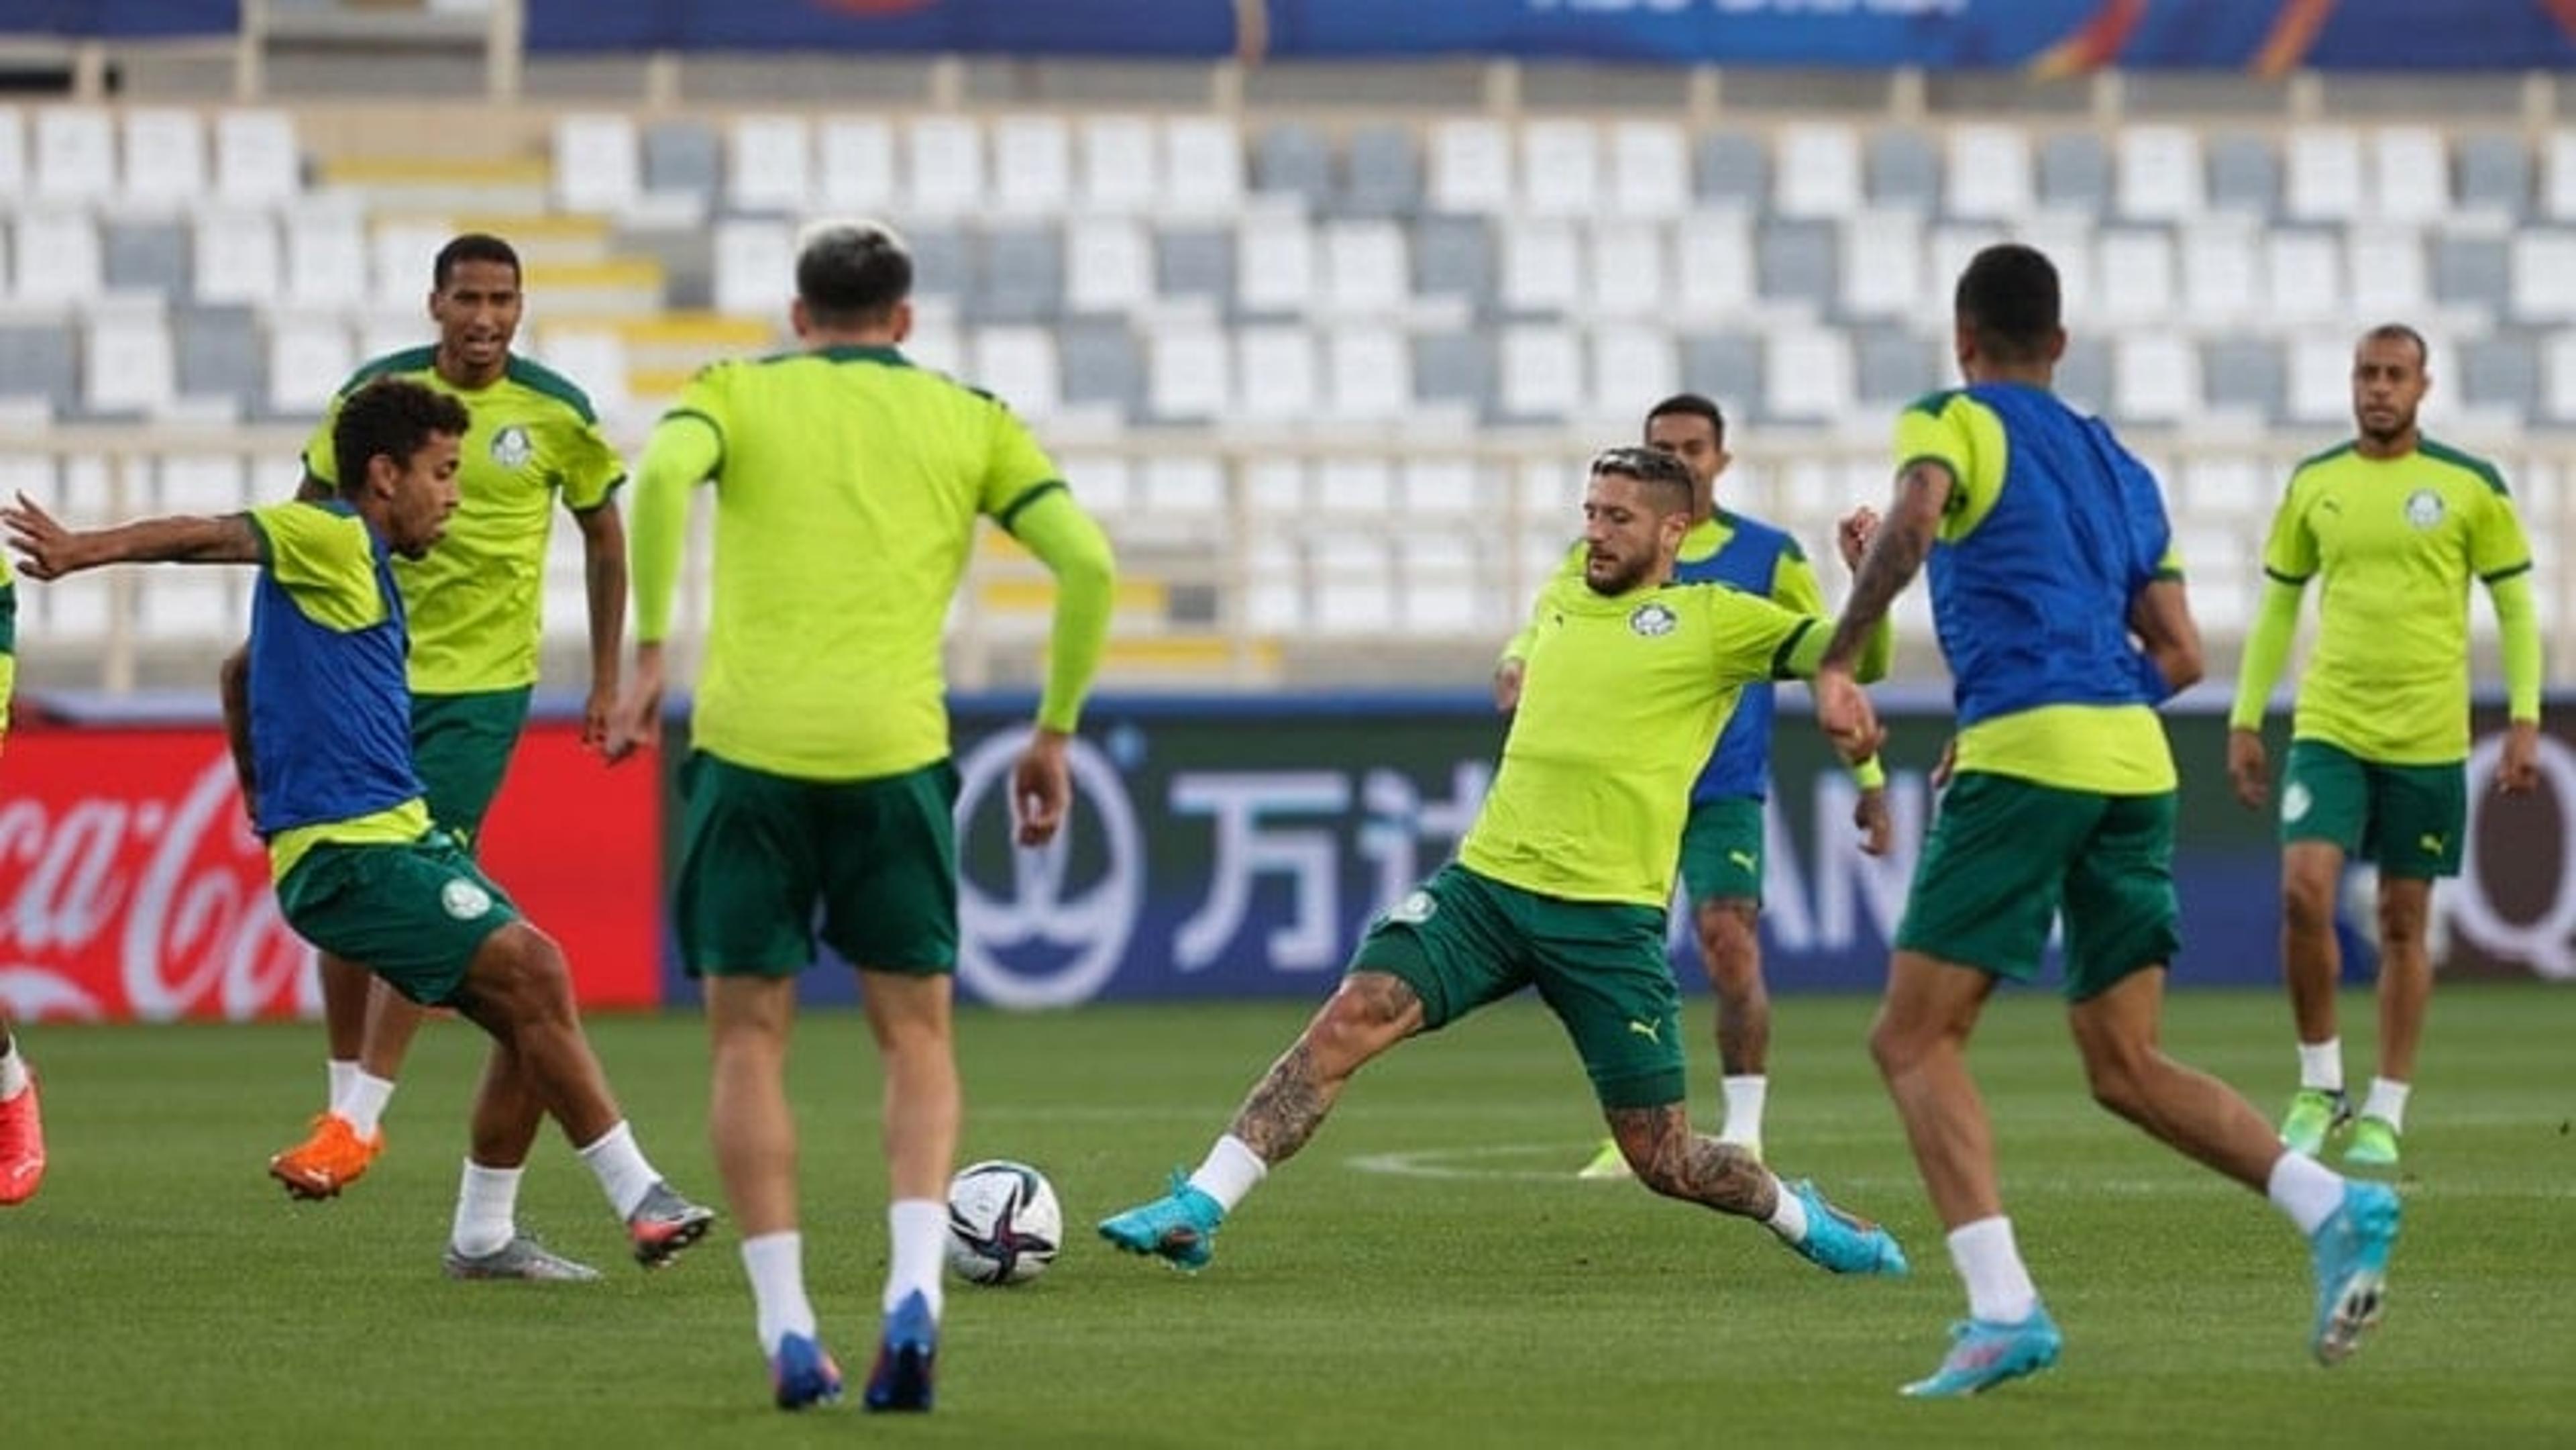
<point>520,1258</point>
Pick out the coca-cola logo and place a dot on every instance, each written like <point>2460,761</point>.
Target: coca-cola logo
<point>164,897</point>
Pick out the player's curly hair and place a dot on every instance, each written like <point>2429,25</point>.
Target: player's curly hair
<point>390,418</point>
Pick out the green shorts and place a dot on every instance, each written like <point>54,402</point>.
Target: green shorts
<point>1462,940</point>
<point>2411,820</point>
<point>2006,856</point>
<point>1722,851</point>
<point>414,915</point>
<point>461,746</point>
<point>760,852</point>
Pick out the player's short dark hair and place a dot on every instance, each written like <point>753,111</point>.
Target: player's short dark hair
<point>2400,332</point>
<point>1662,473</point>
<point>2008,297</point>
<point>1689,405</point>
<point>852,273</point>
<point>471,247</point>
<point>394,418</point>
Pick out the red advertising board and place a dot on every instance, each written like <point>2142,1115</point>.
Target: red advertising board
<point>131,887</point>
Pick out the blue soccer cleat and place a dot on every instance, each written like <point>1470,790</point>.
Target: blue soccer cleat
<point>1841,1242</point>
<point>1984,1355</point>
<point>2350,1251</point>
<point>906,1357</point>
<point>803,1373</point>
<point>1179,1227</point>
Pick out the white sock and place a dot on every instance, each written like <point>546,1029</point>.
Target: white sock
<point>2321,1065</point>
<point>2387,1102</point>
<point>1999,1288</point>
<point>623,1174</point>
<point>2306,1190</point>
<point>1230,1170</point>
<point>487,1210</point>
<point>363,1105</point>
<point>918,1230</point>
<point>1744,1096</point>
<point>13,1072</point>
<point>1789,1219</point>
<point>776,1266</point>
<point>341,1072</point>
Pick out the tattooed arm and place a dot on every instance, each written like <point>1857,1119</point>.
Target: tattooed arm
<point>1904,540</point>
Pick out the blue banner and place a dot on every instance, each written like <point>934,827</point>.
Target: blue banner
<point>1237,847</point>
<point>1165,28</point>
<point>115,19</point>
<point>2051,36</point>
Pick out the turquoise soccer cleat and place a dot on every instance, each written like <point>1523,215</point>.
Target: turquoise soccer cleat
<point>1841,1242</point>
<point>1983,1355</point>
<point>2350,1251</point>
<point>1180,1227</point>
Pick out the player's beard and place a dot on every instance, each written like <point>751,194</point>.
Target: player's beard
<point>2381,437</point>
<point>1627,575</point>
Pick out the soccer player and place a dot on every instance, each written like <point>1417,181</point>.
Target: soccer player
<point>1562,883</point>
<point>2395,525</point>
<point>1722,843</point>
<point>2062,614</point>
<point>474,606</point>
<point>361,869</point>
<point>848,483</point>
<point>22,1123</point>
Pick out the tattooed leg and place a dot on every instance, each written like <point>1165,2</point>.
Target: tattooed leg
<point>1369,1013</point>
<point>1678,1163</point>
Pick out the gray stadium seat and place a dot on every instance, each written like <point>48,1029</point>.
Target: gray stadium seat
<point>1194,262</point>
<point>36,361</point>
<point>943,259</point>
<point>1892,367</point>
<point>1901,170</point>
<point>1455,367</point>
<point>1023,276</point>
<point>2474,271</point>
<point>1453,256</point>
<point>2244,175</point>
<point>1798,261</point>
<point>2494,174</point>
<point>1101,367</point>
<point>141,256</point>
<point>2084,374</point>
<point>682,156</point>
<point>2502,372</point>
<point>1725,366</point>
<point>2242,372</point>
<point>1385,173</point>
<point>1293,159</point>
<point>2075,173</point>
<point>220,351</point>
<point>1732,169</point>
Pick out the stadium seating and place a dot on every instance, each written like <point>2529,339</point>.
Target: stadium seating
<point>1371,298</point>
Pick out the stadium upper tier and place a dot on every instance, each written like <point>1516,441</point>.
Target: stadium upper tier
<point>1254,341</point>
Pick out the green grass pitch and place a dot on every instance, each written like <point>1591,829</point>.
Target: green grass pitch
<point>1427,1273</point>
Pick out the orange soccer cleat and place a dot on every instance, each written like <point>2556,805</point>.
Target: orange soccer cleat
<point>22,1147</point>
<point>331,1159</point>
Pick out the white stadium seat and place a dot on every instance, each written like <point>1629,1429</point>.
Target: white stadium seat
<point>1122,165</point>
<point>855,158</point>
<point>945,167</point>
<point>1203,156</point>
<point>1368,374</point>
<point>1989,172</point>
<point>769,164</point>
<point>309,357</point>
<point>1649,169</point>
<point>1560,169</point>
<point>2325,181</point>
<point>1032,166</point>
<point>256,158</point>
<point>1630,273</point>
<point>2160,175</point>
<point>127,361</point>
<point>1471,166</point>
<point>165,156</point>
<point>75,155</point>
<point>1818,170</point>
<point>598,163</point>
<point>1279,368</point>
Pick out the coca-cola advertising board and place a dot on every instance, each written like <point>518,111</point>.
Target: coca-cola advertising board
<point>131,887</point>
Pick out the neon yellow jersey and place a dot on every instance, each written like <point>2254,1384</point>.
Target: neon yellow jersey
<point>476,602</point>
<point>2395,543</point>
<point>1792,586</point>
<point>8,641</point>
<point>1621,703</point>
<point>848,484</point>
<point>2049,527</point>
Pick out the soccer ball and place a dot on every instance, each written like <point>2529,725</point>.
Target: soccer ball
<point>1004,1224</point>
